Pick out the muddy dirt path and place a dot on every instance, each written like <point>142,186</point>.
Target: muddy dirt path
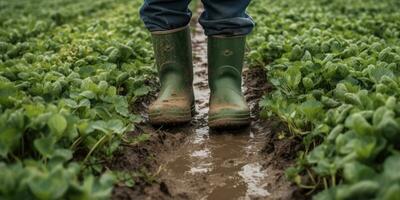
<point>193,162</point>
<point>223,165</point>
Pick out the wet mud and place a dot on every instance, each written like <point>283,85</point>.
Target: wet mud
<point>193,162</point>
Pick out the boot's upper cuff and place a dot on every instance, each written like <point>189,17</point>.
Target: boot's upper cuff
<point>227,36</point>
<point>170,31</point>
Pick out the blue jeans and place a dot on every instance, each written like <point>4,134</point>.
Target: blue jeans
<point>221,17</point>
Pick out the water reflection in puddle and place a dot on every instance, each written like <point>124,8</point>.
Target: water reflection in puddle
<point>205,153</point>
<point>200,135</point>
<point>253,175</point>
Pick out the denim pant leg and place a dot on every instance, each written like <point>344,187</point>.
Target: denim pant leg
<point>226,17</point>
<point>162,15</point>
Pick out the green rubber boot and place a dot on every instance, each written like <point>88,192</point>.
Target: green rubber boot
<point>173,55</point>
<point>228,108</point>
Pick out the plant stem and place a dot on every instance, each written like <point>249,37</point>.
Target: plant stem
<point>94,147</point>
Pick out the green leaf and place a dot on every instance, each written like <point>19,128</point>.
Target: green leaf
<point>7,90</point>
<point>368,147</point>
<point>141,91</point>
<point>93,189</point>
<point>358,123</point>
<point>45,146</point>
<point>345,142</point>
<point>9,138</point>
<point>62,154</point>
<point>101,126</point>
<point>122,77</point>
<point>53,185</point>
<point>391,168</point>
<point>386,55</point>
<point>88,94</point>
<point>297,53</point>
<point>121,106</point>
<point>392,193</point>
<point>361,190</point>
<point>70,103</point>
<point>125,52</point>
<point>354,172</point>
<point>308,83</point>
<point>377,73</point>
<point>57,124</point>
<point>335,132</point>
<point>9,177</point>
<point>329,194</point>
<point>293,77</point>
<point>116,126</point>
<point>311,109</point>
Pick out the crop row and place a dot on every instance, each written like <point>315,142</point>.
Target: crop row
<point>69,73</point>
<point>335,66</point>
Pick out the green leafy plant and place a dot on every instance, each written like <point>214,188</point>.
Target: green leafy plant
<point>335,69</point>
<point>69,73</point>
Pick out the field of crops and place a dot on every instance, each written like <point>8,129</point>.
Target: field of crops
<point>68,71</point>
<point>71,71</point>
<point>335,66</point>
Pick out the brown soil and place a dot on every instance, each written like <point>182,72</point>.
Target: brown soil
<point>143,157</point>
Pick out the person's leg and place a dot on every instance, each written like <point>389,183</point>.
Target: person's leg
<point>162,15</point>
<point>168,21</point>
<point>226,17</point>
<point>226,24</point>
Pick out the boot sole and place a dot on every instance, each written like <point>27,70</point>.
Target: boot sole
<point>166,119</point>
<point>230,121</point>
<point>171,118</point>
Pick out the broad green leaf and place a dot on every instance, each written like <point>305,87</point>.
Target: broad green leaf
<point>311,109</point>
<point>7,90</point>
<point>297,53</point>
<point>293,77</point>
<point>49,185</point>
<point>9,139</point>
<point>359,124</point>
<point>116,126</point>
<point>57,124</point>
<point>101,126</point>
<point>88,94</point>
<point>361,190</point>
<point>391,168</point>
<point>354,172</point>
<point>392,193</point>
<point>141,91</point>
<point>377,73</point>
<point>94,189</point>
<point>9,177</point>
<point>45,146</point>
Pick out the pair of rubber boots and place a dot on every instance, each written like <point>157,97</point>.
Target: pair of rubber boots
<point>175,103</point>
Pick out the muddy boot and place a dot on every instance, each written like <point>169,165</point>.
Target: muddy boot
<point>173,55</point>
<point>228,108</point>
